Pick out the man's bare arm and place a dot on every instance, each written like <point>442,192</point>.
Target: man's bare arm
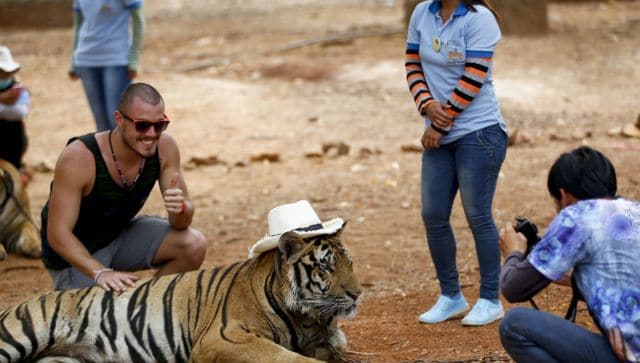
<point>72,176</point>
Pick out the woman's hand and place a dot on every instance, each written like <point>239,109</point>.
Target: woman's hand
<point>431,138</point>
<point>435,111</point>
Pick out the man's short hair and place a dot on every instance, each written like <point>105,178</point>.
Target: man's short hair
<point>583,172</point>
<point>144,91</point>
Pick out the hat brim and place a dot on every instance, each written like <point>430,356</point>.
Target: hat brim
<point>270,242</point>
<point>9,67</point>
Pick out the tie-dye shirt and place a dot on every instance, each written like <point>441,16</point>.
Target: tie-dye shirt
<point>600,240</point>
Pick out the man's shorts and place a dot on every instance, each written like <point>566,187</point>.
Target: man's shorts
<point>132,250</point>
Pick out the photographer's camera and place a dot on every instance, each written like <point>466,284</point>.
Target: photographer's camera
<point>529,230</point>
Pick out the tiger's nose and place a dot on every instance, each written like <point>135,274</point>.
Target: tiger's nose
<point>354,293</point>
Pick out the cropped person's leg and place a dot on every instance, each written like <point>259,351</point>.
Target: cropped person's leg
<point>94,90</point>
<point>530,335</point>
<point>26,173</point>
<point>12,144</point>
<point>115,80</point>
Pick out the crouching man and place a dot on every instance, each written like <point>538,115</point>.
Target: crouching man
<point>91,235</point>
<point>596,238</point>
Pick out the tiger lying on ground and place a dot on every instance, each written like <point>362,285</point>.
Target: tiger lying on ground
<point>18,234</point>
<point>280,306</point>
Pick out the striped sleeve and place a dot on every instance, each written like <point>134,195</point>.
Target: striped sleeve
<point>475,73</point>
<point>416,79</point>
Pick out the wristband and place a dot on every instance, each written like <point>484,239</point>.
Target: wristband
<point>183,207</point>
<point>97,273</point>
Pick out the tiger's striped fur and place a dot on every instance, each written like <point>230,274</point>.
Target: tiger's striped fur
<point>280,306</point>
<point>18,234</point>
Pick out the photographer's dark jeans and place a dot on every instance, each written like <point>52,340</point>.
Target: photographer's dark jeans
<point>471,164</point>
<point>530,335</point>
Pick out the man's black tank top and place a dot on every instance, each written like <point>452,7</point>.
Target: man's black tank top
<point>108,208</point>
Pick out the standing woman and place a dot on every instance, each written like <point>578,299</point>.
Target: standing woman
<point>448,61</point>
<point>105,53</point>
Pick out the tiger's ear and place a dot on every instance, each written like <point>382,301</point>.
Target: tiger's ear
<point>290,243</point>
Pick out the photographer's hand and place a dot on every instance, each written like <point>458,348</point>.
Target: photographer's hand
<point>616,343</point>
<point>565,280</point>
<point>511,241</point>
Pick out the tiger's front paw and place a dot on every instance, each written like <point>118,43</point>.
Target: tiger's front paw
<point>339,341</point>
<point>333,349</point>
<point>29,241</point>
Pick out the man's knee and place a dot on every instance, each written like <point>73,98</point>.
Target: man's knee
<point>196,246</point>
<point>509,326</point>
<point>185,249</point>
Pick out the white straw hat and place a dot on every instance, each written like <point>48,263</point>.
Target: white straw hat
<point>7,63</point>
<point>298,217</point>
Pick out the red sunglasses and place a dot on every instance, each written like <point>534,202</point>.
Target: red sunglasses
<point>143,126</point>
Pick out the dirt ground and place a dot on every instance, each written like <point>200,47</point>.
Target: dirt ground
<point>560,91</point>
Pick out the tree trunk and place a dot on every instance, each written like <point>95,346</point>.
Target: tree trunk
<point>525,17</point>
<point>35,13</point>
<point>408,9</point>
<point>517,16</point>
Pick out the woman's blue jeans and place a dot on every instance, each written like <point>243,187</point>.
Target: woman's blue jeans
<point>530,335</point>
<point>470,164</point>
<point>103,87</point>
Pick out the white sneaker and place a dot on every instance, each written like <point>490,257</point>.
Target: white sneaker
<point>444,309</point>
<point>483,313</point>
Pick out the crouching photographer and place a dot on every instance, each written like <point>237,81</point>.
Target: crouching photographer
<point>596,237</point>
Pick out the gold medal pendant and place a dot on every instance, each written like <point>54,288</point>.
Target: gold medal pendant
<point>436,44</point>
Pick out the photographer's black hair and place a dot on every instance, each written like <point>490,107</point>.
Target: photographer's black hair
<point>583,172</point>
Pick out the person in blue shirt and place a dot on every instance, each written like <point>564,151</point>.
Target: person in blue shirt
<point>593,241</point>
<point>106,54</point>
<point>450,46</point>
<point>14,107</point>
